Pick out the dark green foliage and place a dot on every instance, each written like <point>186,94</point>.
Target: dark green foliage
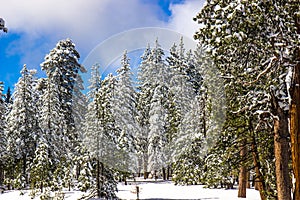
<point>189,168</point>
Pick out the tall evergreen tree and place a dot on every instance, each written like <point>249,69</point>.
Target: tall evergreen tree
<point>125,112</point>
<point>3,137</point>
<point>180,85</point>
<point>154,73</point>
<point>99,132</point>
<point>21,130</point>
<point>62,68</point>
<point>40,169</point>
<point>157,133</point>
<point>63,104</point>
<point>251,40</point>
<point>124,100</point>
<point>8,96</point>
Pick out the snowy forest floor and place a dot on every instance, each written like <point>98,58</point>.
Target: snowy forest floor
<point>153,190</point>
<point>167,190</point>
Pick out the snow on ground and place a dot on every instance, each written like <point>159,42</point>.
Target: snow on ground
<point>152,190</point>
<point>167,190</point>
<point>15,195</point>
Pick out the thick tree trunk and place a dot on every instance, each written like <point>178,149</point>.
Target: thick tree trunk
<point>243,174</point>
<point>281,163</point>
<point>281,148</point>
<point>242,182</point>
<point>295,127</point>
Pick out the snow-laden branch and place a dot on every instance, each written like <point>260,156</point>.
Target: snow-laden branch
<point>241,110</point>
<point>270,61</point>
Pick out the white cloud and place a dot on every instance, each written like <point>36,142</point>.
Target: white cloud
<point>182,17</point>
<point>41,23</point>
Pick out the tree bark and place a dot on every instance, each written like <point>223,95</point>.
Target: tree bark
<point>98,179</point>
<point>248,180</point>
<point>243,174</point>
<point>24,169</point>
<point>164,173</point>
<point>281,148</point>
<point>281,163</point>
<point>259,179</point>
<point>1,174</point>
<point>168,172</point>
<point>294,117</point>
<point>242,182</point>
<point>145,164</point>
<point>295,126</point>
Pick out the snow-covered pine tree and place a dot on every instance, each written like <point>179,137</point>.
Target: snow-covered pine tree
<point>21,130</point>
<point>124,111</point>
<point>180,85</point>
<point>192,127</point>
<point>40,169</point>
<point>84,163</point>
<point>172,122</point>
<point>157,132</point>
<point>79,109</point>
<point>52,121</point>
<point>62,68</point>
<point>8,96</point>
<point>99,131</point>
<point>62,104</point>
<point>95,82</point>
<point>251,38</point>
<point>153,73</point>
<point>143,105</point>
<point>194,70</point>
<point>186,83</point>
<point>3,138</point>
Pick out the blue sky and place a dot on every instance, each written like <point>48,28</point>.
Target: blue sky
<point>35,26</point>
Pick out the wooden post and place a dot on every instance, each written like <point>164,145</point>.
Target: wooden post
<point>137,193</point>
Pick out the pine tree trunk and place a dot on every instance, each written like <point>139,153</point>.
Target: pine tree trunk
<point>281,162</point>
<point>259,179</point>
<point>248,180</point>
<point>24,168</point>
<point>243,174</point>
<point>98,179</point>
<point>42,186</point>
<point>145,164</point>
<point>295,127</point>
<point>281,148</point>
<point>294,117</point>
<point>140,165</point>
<point>168,172</point>
<point>164,173</point>
<point>242,182</point>
<point>102,178</point>
<point>1,174</point>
